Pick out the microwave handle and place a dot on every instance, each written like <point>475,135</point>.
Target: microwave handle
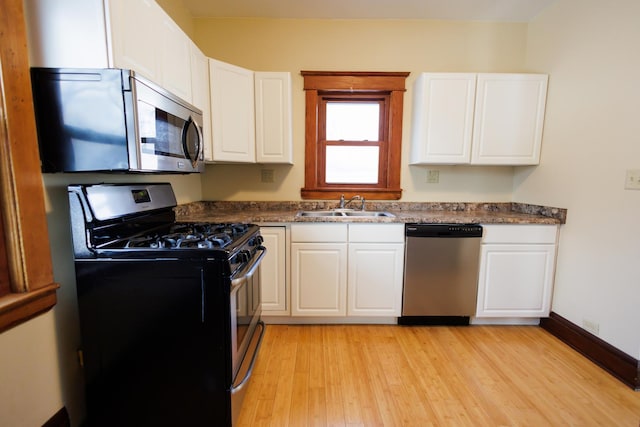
<point>193,157</point>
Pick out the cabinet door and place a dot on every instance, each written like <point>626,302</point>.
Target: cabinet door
<point>232,112</point>
<point>508,119</point>
<point>442,118</point>
<point>175,58</point>
<point>135,34</point>
<point>274,143</point>
<point>375,279</point>
<point>515,280</point>
<point>273,272</point>
<point>200,95</point>
<point>318,279</point>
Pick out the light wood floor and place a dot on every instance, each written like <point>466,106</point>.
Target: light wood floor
<point>375,375</point>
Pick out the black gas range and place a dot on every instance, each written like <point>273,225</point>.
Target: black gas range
<point>169,311</point>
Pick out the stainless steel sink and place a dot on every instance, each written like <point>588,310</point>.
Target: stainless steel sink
<point>345,214</point>
<point>369,213</point>
<point>319,213</point>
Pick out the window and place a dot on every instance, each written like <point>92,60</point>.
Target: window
<point>353,134</point>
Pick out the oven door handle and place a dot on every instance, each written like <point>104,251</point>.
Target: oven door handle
<point>247,375</point>
<point>249,270</point>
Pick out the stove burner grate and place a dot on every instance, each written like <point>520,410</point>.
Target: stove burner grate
<point>191,235</point>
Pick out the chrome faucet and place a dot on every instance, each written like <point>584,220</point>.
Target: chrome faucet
<point>343,203</point>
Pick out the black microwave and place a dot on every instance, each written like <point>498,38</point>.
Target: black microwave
<point>112,120</point>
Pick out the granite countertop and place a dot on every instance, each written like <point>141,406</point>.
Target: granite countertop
<point>405,212</point>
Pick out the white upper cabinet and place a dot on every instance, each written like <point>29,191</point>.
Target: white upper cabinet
<point>135,26</point>
<point>250,115</point>
<point>130,34</point>
<point>274,142</point>
<point>200,95</point>
<point>482,119</point>
<point>175,59</point>
<point>232,113</point>
<point>145,39</point>
<point>509,117</point>
<point>442,118</point>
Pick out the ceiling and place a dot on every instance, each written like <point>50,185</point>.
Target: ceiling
<point>474,10</point>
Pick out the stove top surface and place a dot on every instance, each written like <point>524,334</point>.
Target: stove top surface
<point>179,240</point>
<point>190,236</point>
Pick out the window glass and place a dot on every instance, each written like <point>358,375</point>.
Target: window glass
<point>352,164</point>
<point>351,121</point>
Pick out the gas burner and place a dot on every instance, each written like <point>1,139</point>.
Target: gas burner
<point>219,240</point>
<point>142,242</point>
<point>191,235</point>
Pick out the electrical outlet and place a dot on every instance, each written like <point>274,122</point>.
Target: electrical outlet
<point>591,326</point>
<point>633,179</point>
<point>267,175</point>
<point>433,176</point>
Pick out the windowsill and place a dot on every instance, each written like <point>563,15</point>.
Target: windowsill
<point>17,308</point>
<point>334,194</point>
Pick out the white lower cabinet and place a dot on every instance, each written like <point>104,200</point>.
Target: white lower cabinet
<point>375,269</point>
<point>346,269</point>
<point>318,269</point>
<point>273,272</point>
<point>517,265</point>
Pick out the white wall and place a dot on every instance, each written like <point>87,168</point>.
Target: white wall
<point>591,50</point>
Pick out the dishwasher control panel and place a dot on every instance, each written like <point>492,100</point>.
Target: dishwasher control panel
<point>443,230</point>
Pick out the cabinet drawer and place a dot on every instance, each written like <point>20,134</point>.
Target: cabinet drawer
<point>376,233</point>
<point>517,233</point>
<point>319,232</point>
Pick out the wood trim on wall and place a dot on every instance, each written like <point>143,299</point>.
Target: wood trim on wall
<point>392,84</point>
<point>25,233</point>
<point>59,419</point>
<point>609,358</point>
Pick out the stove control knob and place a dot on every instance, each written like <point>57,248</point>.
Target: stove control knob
<point>243,256</point>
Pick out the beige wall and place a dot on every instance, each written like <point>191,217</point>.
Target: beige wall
<point>591,137</point>
<point>180,14</point>
<point>380,45</point>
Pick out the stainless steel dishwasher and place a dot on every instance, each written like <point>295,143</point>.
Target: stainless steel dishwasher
<point>440,273</point>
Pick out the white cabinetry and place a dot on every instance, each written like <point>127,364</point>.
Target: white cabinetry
<point>175,58</point>
<point>508,119</point>
<point>200,95</point>
<point>274,142</point>
<point>483,119</point>
<point>250,115</point>
<point>347,269</point>
<point>232,112</point>
<point>442,118</point>
<point>318,269</point>
<point>273,273</point>
<point>517,265</point>
<point>134,30</point>
<point>132,34</point>
<point>375,269</point>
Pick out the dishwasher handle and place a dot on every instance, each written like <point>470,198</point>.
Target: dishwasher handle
<point>443,230</point>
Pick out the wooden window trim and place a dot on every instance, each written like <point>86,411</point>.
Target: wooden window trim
<point>319,83</point>
<point>25,240</point>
